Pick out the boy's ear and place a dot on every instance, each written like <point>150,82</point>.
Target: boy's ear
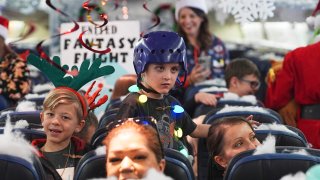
<point>80,126</point>
<point>41,117</point>
<point>233,81</point>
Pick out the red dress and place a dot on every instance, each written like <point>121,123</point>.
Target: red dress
<point>299,79</point>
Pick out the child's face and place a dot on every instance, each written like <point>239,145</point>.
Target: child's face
<point>245,86</point>
<point>237,138</point>
<point>129,156</point>
<point>60,123</point>
<point>161,77</point>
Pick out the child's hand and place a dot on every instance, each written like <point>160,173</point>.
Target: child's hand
<point>206,98</point>
<point>253,123</point>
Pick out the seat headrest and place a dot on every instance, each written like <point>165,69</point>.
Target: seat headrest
<point>98,137</point>
<point>38,101</point>
<point>4,104</point>
<point>269,166</point>
<point>28,134</point>
<point>16,168</point>
<point>177,165</point>
<point>114,103</point>
<point>223,103</point>
<point>265,116</point>
<point>92,165</point>
<point>32,117</point>
<point>282,138</point>
<point>107,119</point>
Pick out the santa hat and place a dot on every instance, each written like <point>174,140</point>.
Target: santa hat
<point>314,21</point>
<point>199,4</point>
<point>4,25</point>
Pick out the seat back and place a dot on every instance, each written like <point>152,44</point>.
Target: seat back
<point>271,166</point>
<point>16,168</point>
<point>98,137</point>
<point>177,165</point>
<point>203,159</point>
<point>114,103</point>
<point>297,131</point>
<point>3,103</point>
<point>29,134</point>
<point>32,117</point>
<point>38,78</point>
<point>209,88</point>
<point>204,109</point>
<point>223,102</point>
<point>107,118</point>
<point>191,91</point>
<point>92,165</point>
<point>260,114</point>
<point>109,111</point>
<point>38,101</point>
<point>282,138</point>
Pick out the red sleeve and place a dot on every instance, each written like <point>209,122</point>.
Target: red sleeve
<point>280,92</point>
<point>186,83</point>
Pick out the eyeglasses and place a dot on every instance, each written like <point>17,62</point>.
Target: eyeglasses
<point>145,121</point>
<point>253,84</point>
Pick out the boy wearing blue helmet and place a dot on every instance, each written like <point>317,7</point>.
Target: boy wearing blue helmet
<point>159,57</point>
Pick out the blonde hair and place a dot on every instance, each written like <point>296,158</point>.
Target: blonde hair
<point>63,96</point>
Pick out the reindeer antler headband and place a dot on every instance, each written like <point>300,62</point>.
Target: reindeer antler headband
<point>73,83</point>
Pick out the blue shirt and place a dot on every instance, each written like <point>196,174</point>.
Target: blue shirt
<point>219,58</point>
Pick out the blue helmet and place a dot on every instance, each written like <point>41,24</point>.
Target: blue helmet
<point>159,47</point>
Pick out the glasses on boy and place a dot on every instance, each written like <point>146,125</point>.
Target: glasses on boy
<point>253,84</point>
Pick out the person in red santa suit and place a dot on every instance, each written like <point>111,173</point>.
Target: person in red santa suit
<point>299,81</point>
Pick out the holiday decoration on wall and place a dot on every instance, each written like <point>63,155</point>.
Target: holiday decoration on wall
<point>23,6</point>
<point>220,16</point>
<point>165,12</point>
<point>247,10</point>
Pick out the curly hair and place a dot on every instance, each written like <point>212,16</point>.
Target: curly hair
<point>146,131</point>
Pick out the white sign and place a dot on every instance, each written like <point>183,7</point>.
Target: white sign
<point>119,36</point>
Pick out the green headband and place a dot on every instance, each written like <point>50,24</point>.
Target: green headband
<point>85,74</point>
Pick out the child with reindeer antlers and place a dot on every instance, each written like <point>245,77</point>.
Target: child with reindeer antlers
<point>64,113</point>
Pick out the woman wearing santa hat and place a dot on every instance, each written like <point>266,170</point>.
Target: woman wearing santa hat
<point>299,79</point>
<point>14,77</point>
<point>207,55</point>
<point>193,26</point>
